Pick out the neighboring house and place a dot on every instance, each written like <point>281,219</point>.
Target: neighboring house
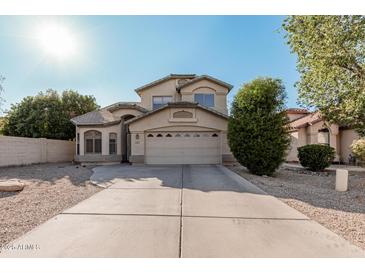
<point>309,128</point>
<point>181,119</point>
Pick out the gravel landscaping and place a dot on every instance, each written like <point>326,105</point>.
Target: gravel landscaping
<point>49,189</point>
<point>314,195</point>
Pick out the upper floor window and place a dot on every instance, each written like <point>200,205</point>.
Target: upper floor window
<point>204,99</point>
<point>159,101</point>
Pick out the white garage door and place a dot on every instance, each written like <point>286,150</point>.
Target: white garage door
<point>183,148</point>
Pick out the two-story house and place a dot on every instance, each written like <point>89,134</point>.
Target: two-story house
<point>181,119</point>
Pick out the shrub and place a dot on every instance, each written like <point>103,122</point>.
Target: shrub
<point>316,157</point>
<point>257,134</point>
<point>358,149</point>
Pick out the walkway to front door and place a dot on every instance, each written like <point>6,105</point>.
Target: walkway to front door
<point>180,211</point>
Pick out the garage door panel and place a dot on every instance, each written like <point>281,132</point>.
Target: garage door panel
<point>183,148</point>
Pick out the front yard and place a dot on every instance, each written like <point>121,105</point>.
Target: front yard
<point>49,189</point>
<point>314,196</point>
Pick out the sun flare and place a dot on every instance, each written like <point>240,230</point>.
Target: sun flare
<point>57,41</point>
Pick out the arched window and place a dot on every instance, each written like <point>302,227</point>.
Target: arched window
<point>168,135</point>
<point>159,135</point>
<point>112,143</point>
<point>92,142</point>
<point>196,135</point>
<point>215,135</point>
<point>187,135</point>
<point>150,135</point>
<point>178,135</point>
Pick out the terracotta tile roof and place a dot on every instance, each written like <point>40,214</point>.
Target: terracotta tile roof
<point>305,121</point>
<point>297,111</point>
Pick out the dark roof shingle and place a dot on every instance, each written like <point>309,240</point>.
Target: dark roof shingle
<point>98,117</point>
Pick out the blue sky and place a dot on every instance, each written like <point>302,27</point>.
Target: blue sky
<point>116,54</point>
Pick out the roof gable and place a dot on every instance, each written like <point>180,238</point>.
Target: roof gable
<point>190,79</point>
<point>125,105</point>
<point>164,79</point>
<point>205,77</point>
<point>306,120</point>
<point>177,104</point>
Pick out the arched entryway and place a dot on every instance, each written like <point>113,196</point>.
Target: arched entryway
<point>125,137</point>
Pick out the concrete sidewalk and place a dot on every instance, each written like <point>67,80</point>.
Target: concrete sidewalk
<point>179,211</point>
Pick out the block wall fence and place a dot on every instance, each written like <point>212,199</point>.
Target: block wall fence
<point>15,151</point>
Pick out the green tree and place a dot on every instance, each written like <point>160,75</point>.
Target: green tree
<point>47,115</point>
<point>257,134</point>
<point>331,63</point>
<point>2,124</point>
<point>75,104</point>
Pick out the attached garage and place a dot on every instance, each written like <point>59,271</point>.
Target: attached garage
<point>183,147</point>
<point>179,133</point>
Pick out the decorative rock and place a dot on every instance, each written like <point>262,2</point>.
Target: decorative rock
<point>11,185</point>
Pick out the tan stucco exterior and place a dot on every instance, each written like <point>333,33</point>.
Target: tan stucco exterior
<point>186,94</point>
<point>164,118</point>
<point>163,121</point>
<point>105,131</point>
<point>167,88</point>
<point>186,118</point>
<point>124,112</point>
<point>294,116</point>
<point>347,136</point>
<point>314,130</point>
<point>205,86</point>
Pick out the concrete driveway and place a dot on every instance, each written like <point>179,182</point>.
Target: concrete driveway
<point>179,211</point>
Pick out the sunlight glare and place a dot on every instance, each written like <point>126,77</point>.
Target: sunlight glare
<point>56,40</point>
